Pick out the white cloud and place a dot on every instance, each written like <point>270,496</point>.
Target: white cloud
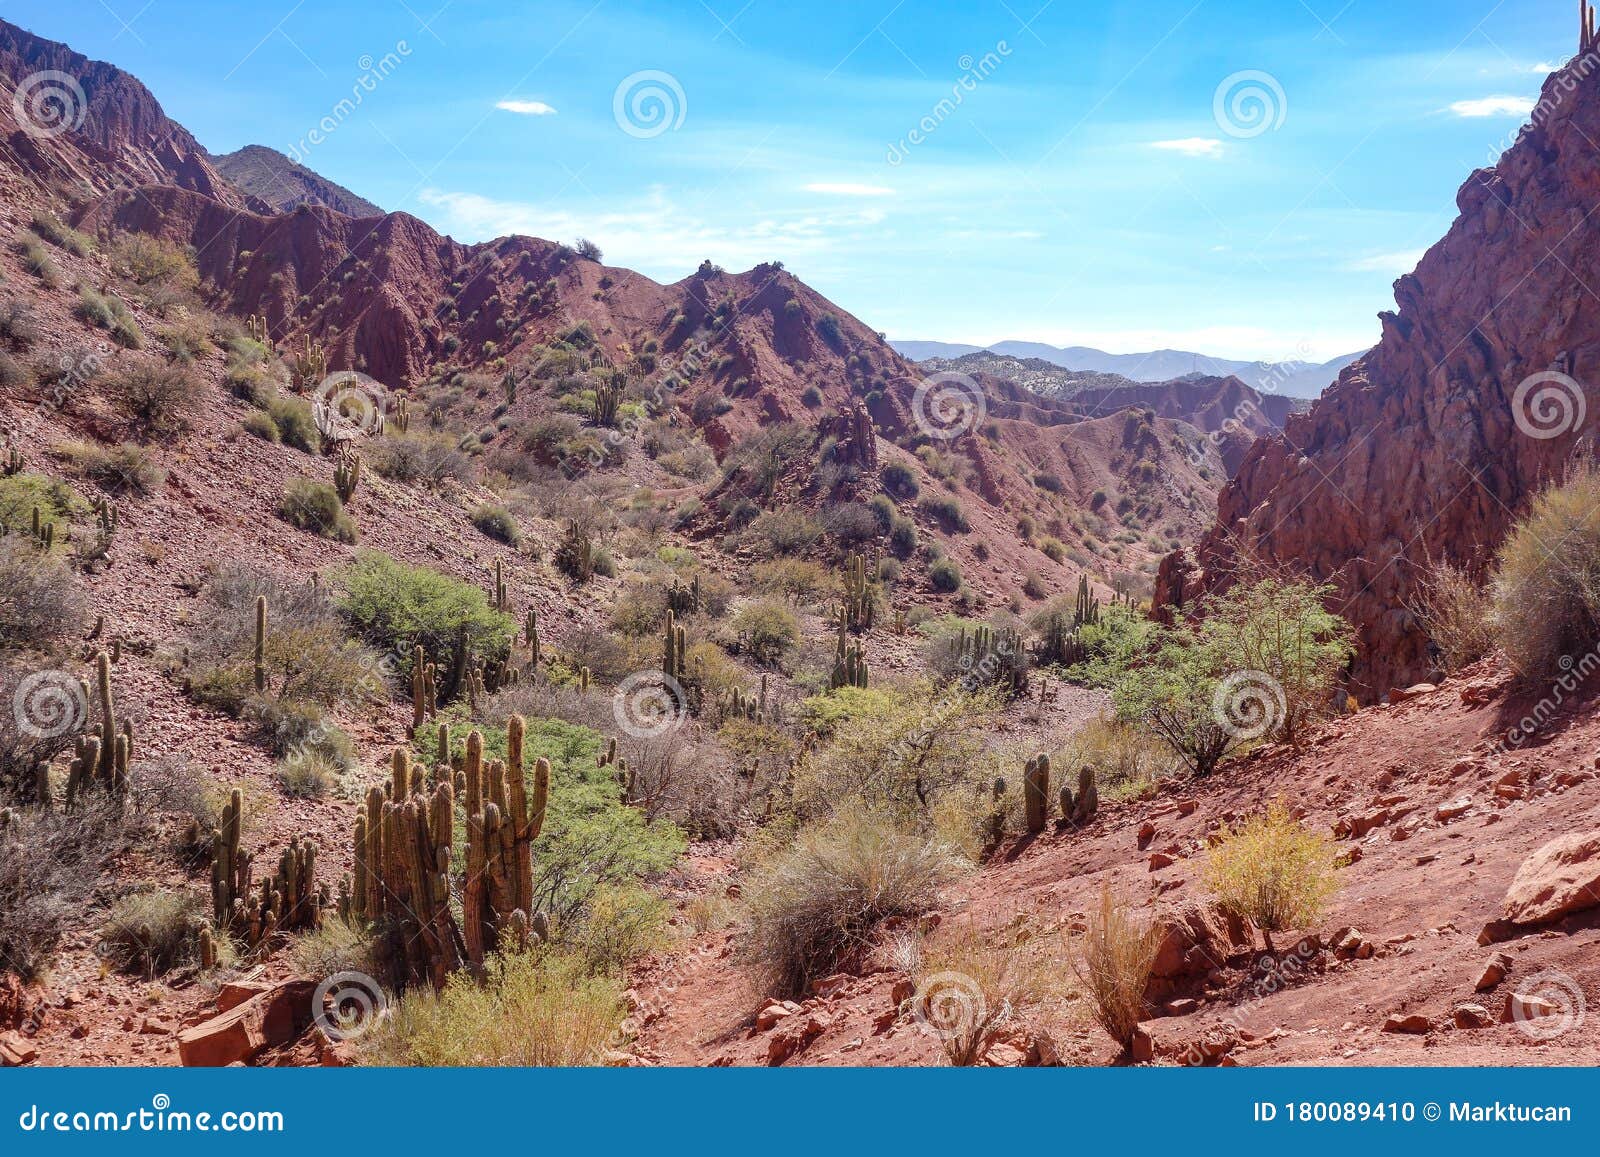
<point>1494,106</point>
<point>1543,68</point>
<point>527,108</point>
<point>846,189</point>
<point>1396,263</point>
<point>1191,146</point>
<point>652,234</point>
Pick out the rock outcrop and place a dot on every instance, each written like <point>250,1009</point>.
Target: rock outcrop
<point>1433,443</point>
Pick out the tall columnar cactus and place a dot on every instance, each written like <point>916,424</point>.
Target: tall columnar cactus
<point>260,665</point>
<point>106,771</point>
<point>346,474</point>
<point>685,598</point>
<point>849,664</point>
<point>11,460</point>
<point>502,600</point>
<point>230,864</point>
<point>1088,802</point>
<point>674,644</point>
<point>1036,792</point>
<point>608,398</point>
<point>401,415</point>
<point>859,601</point>
<point>1087,611</point>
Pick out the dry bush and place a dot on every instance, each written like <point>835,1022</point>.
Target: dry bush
<point>40,602</point>
<point>335,947</point>
<point>1457,613</point>
<point>968,989</point>
<point>1272,871</point>
<point>1113,960</point>
<point>51,864</point>
<point>535,1009</point>
<point>19,325</point>
<point>315,507</point>
<point>814,907</point>
<point>1128,760</point>
<point>424,459</point>
<point>152,932</point>
<point>123,468</point>
<point>161,399</point>
<point>1546,588</point>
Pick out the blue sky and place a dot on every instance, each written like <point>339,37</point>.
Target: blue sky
<point>1087,187</point>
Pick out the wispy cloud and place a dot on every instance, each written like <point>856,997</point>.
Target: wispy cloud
<point>1543,68</point>
<point>527,108</point>
<point>654,234</point>
<point>847,189</point>
<point>1396,263</point>
<point>1494,106</point>
<point>1191,146</point>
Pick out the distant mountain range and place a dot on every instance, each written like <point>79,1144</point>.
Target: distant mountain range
<point>1293,379</point>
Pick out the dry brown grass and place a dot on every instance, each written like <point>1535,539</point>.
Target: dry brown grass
<point>1547,580</point>
<point>1457,613</point>
<point>968,989</point>
<point>1113,960</point>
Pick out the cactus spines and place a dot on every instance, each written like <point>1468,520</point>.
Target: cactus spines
<point>106,769</point>
<point>402,414</point>
<point>1036,792</point>
<point>346,474</point>
<point>674,644</point>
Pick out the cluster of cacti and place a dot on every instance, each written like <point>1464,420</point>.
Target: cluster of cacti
<point>1059,643</point>
<point>42,533</point>
<point>102,759</point>
<point>346,473</point>
<point>849,664</point>
<point>256,326</point>
<point>627,781</point>
<point>401,414</point>
<point>754,708</point>
<point>530,636</point>
<point>105,527</point>
<point>508,385</point>
<point>684,598</point>
<point>984,656</point>
<point>1036,792</point>
<point>309,364</point>
<point>900,625</point>
<point>1081,810</point>
<point>858,600</point>
<point>404,845</point>
<point>288,899</point>
<point>11,460</point>
<point>575,553</point>
<point>857,442</point>
<point>608,398</point>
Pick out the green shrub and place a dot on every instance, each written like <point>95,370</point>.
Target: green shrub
<point>61,235</point>
<point>307,774</point>
<point>37,261</point>
<point>151,261</point>
<point>109,313</point>
<point>900,480</point>
<point>295,422</point>
<point>315,507</point>
<point>1273,872</point>
<point>1546,584</point>
<point>535,1009</point>
<point>945,575</point>
<point>394,607</point>
<point>766,631</point>
<point>260,424</point>
<point>497,523</point>
<point>161,399</point>
<point>947,512</point>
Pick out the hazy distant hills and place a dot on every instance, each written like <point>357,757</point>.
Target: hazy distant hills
<point>1293,379</point>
